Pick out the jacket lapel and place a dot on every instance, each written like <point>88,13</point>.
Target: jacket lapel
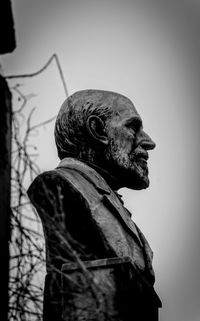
<point>121,213</point>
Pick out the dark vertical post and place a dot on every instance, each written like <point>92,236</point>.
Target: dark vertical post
<point>5,165</point>
<point>7,35</point>
<point>7,44</point>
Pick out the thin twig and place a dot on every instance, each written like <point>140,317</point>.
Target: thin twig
<point>53,57</point>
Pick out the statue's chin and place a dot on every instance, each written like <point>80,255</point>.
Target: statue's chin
<point>137,184</point>
<point>134,180</point>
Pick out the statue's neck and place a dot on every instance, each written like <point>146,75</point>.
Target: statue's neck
<point>111,180</point>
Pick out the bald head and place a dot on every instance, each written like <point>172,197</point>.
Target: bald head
<point>71,130</point>
<point>104,128</point>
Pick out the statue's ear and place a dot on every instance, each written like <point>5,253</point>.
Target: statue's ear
<point>96,129</point>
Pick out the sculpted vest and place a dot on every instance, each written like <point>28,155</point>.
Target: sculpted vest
<point>116,285</point>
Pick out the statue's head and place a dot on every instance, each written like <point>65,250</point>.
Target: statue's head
<point>104,128</point>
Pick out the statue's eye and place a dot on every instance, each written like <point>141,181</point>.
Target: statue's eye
<point>135,124</point>
<point>133,127</point>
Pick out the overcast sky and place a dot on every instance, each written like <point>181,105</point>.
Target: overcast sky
<point>148,51</point>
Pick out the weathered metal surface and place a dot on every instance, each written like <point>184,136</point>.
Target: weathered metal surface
<point>99,263</point>
<point>93,299</point>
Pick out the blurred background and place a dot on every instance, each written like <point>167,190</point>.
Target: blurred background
<point>148,51</point>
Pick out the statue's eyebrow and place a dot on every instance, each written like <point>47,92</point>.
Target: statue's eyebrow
<point>135,121</point>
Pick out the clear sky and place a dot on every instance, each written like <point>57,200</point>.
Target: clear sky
<point>148,51</point>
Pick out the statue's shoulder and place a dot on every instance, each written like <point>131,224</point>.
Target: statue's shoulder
<point>71,175</point>
<point>82,175</point>
<point>65,171</point>
<point>46,177</point>
<point>48,185</point>
<point>44,184</point>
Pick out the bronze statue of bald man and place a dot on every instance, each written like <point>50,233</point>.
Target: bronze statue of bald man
<point>99,264</point>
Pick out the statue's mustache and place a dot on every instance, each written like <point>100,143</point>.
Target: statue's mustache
<point>139,153</point>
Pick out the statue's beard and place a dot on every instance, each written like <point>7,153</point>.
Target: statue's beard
<point>128,168</point>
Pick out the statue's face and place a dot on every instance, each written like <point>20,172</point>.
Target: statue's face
<point>127,150</point>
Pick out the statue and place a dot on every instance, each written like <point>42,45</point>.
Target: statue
<point>99,264</point>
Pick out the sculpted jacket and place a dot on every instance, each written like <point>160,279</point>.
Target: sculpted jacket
<point>99,264</point>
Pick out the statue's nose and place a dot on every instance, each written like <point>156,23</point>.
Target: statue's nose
<point>146,142</point>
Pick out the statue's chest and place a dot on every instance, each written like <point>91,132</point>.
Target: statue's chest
<point>113,223</point>
<point>119,230</point>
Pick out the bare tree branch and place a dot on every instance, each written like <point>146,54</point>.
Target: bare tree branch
<point>53,57</point>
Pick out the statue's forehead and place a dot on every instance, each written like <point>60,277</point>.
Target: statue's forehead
<point>125,109</point>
